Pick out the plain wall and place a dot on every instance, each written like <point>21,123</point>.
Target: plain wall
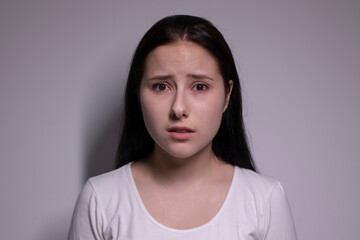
<point>63,66</point>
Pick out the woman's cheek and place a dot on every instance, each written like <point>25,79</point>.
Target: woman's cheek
<point>153,111</point>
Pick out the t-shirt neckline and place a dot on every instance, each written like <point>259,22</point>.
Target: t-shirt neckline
<point>154,221</point>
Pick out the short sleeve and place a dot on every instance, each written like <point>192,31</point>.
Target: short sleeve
<point>278,221</point>
<point>87,221</point>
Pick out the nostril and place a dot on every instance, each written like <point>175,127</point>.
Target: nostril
<point>179,108</point>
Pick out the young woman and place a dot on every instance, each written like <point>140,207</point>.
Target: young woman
<point>184,166</point>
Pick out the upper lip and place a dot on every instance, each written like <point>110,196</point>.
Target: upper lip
<point>179,129</point>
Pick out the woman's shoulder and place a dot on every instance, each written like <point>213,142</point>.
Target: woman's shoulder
<point>110,182</point>
<point>256,183</point>
<point>265,202</point>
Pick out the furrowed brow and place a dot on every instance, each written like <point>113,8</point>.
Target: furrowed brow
<point>199,76</point>
<point>160,77</point>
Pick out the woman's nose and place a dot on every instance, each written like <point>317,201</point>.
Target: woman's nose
<point>179,108</point>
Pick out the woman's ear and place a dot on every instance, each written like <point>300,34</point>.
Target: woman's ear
<point>228,94</point>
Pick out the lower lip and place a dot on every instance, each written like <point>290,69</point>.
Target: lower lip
<point>181,136</point>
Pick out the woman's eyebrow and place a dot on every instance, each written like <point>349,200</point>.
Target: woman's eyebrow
<point>160,77</point>
<point>199,76</point>
<point>168,76</point>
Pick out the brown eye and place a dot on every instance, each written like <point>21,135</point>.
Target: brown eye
<point>160,87</point>
<point>200,87</point>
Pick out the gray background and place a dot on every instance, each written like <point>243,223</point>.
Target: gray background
<point>63,66</point>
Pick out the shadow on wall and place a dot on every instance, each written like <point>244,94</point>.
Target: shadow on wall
<point>102,119</point>
<point>101,148</point>
<point>54,228</point>
<point>99,158</point>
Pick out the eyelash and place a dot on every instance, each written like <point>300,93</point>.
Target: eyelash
<point>204,86</point>
<point>157,87</point>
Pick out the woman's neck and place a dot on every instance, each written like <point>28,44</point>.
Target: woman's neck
<point>168,169</point>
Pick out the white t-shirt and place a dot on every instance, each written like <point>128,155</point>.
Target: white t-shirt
<point>110,207</point>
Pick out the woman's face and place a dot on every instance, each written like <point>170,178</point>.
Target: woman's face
<point>182,97</point>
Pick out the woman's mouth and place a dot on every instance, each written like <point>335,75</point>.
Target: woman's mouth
<point>180,133</point>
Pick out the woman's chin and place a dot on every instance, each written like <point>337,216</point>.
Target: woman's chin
<point>185,152</point>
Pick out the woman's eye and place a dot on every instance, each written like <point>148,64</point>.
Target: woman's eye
<point>160,87</point>
<point>200,87</point>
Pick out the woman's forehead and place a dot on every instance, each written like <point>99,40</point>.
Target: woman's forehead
<point>181,56</point>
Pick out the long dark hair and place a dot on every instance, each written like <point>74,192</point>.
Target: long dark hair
<point>230,143</point>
